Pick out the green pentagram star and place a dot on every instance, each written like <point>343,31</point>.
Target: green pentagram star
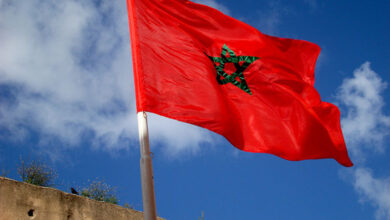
<point>240,63</point>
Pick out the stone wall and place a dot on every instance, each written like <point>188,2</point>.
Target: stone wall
<point>22,201</point>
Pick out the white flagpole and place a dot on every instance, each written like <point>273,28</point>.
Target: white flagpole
<point>148,198</point>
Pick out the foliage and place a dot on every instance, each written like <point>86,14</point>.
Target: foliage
<point>37,173</point>
<point>128,206</point>
<point>100,191</point>
<point>4,172</point>
<point>202,216</point>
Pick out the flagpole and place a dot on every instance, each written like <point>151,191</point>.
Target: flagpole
<point>148,198</point>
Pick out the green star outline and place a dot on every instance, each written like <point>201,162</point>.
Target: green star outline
<point>223,77</point>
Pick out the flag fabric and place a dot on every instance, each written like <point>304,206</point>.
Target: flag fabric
<point>194,64</point>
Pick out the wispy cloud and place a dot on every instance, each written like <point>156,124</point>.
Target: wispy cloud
<point>270,18</point>
<point>67,64</point>
<point>214,4</point>
<point>313,4</point>
<point>365,128</point>
<point>373,190</point>
<point>178,136</point>
<point>365,124</point>
<point>66,75</point>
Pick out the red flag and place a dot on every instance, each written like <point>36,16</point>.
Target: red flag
<point>196,65</point>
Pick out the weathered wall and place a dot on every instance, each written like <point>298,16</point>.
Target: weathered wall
<point>22,201</point>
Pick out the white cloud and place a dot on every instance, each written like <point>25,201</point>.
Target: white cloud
<point>179,136</point>
<point>65,74</point>
<point>313,4</point>
<point>271,16</point>
<point>365,127</point>
<point>214,4</point>
<point>366,124</point>
<point>374,190</point>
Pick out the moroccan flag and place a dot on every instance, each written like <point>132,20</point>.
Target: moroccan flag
<point>196,65</point>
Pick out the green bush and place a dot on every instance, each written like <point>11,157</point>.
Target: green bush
<point>4,173</point>
<point>201,216</point>
<point>37,173</point>
<point>128,206</point>
<point>100,191</point>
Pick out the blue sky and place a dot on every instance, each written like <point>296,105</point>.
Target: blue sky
<point>67,98</point>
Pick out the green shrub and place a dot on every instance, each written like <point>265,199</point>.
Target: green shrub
<point>128,206</point>
<point>201,216</point>
<point>37,173</point>
<point>4,172</point>
<point>100,191</point>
